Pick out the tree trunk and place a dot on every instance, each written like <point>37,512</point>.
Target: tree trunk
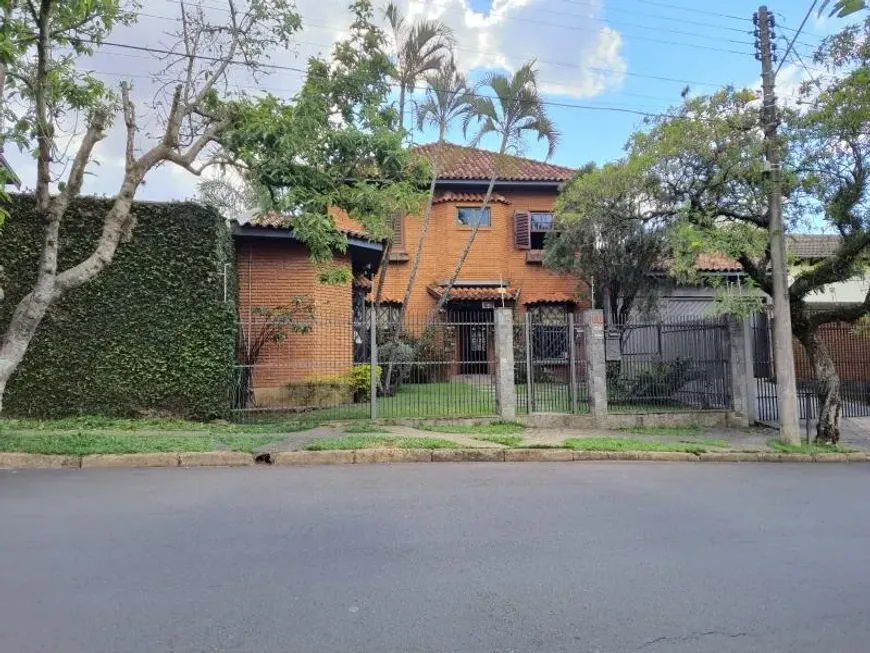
<point>828,387</point>
<point>389,389</point>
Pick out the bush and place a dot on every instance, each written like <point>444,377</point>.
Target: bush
<point>656,381</point>
<point>360,380</point>
<point>400,354</point>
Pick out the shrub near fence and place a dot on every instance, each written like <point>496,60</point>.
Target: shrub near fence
<point>151,334</point>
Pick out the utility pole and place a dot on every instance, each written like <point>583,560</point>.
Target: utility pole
<point>786,386</point>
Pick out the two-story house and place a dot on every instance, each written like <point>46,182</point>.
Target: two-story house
<point>504,263</point>
<point>504,266</point>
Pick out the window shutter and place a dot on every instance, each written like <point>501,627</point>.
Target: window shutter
<point>399,233</point>
<point>522,230</point>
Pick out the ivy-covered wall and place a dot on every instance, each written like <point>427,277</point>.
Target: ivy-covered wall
<point>151,334</point>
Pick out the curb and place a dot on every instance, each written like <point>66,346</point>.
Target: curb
<point>389,456</point>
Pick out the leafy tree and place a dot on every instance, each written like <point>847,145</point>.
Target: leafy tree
<point>843,7</point>
<point>515,110</point>
<point>334,147</point>
<point>609,236</point>
<point>448,99</point>
<point>707,161</point>
<point>421,48</point>
<point>233,199</point>
<point>41,45</point>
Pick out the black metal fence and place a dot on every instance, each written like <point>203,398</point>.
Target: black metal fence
<point>424,366</point>
<point>668,366</point>
<point>849,348</point>
<point>550,360</point>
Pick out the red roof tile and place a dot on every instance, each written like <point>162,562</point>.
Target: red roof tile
<point>717,263</point>
<point>551,298</point>
<point>477,293</point>
<point>469,197</point>
<point>468,163</point>
<point>275,220</point>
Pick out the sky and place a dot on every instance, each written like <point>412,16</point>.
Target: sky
<point>601,65</point>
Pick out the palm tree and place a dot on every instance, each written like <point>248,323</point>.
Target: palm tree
<point>421,48</point>
<point>515,109</point>
<point>448,98</point>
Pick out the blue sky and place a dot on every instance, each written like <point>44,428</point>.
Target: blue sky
<point>697,56</point>
<point>605,54</point>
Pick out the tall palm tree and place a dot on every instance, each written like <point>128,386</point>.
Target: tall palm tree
<point>421,48</point>
<point>513,110</point>
<point>448,99</point>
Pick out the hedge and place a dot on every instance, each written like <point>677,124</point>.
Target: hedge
<point>150,335</point>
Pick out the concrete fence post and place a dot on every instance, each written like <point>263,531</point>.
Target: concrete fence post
<point>742,377</point>
<point>373,363</point>
<point>596,364</point>
<point>505,388</point>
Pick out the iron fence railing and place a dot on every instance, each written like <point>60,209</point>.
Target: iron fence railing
<point>668,366</point>
<point>550,363</point>
<point>849,348</point>
<point>424,366</point>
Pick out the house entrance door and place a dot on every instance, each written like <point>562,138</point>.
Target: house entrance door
<point>474,340</point>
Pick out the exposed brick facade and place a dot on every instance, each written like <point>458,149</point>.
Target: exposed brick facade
<point>271,272</point>
<point>493,255</point>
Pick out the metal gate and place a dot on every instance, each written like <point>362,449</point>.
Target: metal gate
<point>850,350</point>
<point>550,356</point>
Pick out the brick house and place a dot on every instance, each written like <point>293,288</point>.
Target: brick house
<point>504,267</point>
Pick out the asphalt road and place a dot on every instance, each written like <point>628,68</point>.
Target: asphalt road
<point>455,558</point>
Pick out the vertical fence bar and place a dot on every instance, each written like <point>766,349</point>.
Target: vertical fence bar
<point>572,370</point>
<point>373,364</point>
<point>530,394</point>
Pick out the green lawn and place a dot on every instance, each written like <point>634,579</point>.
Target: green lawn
<point>494,428</point>
<point>457,399</point>
<point>666,431</point>
<point>83,444</point>
<point>378,441</point>
<point>628,444</point>
<point>504,440</point>
<point>93,423</point>
<point>810,449</point>
<point>364,426</point>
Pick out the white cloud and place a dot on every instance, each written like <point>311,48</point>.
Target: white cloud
<point>577,55</point>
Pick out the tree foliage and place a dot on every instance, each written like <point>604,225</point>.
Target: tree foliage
<point>46,94</point>
<point>608,236</point>
<point>334,147</point>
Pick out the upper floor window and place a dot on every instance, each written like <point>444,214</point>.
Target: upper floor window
<point>467,216</point>
<point>542,221</point>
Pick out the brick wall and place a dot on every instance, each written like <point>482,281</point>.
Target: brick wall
<point>271,272</point>
<point>492,257</point>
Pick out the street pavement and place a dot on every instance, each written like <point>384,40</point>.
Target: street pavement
<point>580,557</point>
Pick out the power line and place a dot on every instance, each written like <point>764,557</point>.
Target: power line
<point>791,45</point>
<point>684,21</point>
<point>516,57</point>
<point>182,55</point>
<point>704,12</point>
<point>593,30</point>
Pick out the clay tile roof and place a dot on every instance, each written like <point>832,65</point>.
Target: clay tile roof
<point>477,293</point>
<point>468,163</point>
<point>363,282</point>
<point>275,220</point>
<point>469,197</point>
<point>717,263</point>
<point>813,245</point>
<point>551,298</point>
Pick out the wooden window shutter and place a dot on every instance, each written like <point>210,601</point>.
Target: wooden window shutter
<point>522,230</point>
<point>399,233</point>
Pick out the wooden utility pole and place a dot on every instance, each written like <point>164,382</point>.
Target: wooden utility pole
<point>786,386</point>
